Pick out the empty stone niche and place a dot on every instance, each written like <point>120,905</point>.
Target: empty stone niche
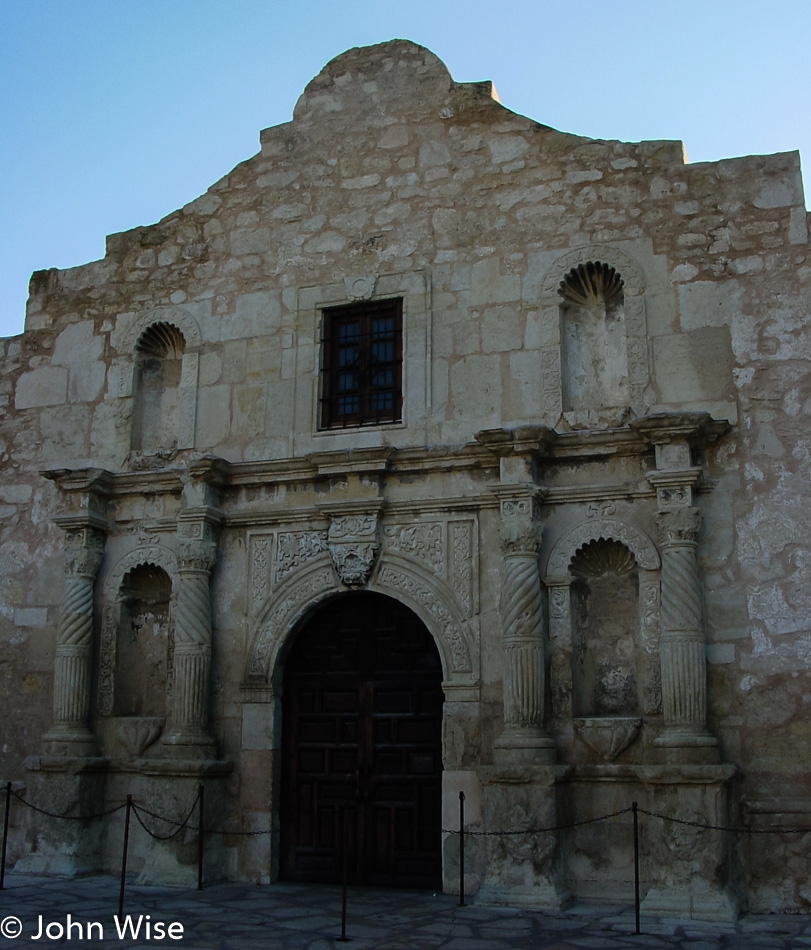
<point>158,373</point>
<point>595,347</point>
<point>143,657</point>
<point>605,615</point>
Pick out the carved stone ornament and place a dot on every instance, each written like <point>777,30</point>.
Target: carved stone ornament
<point>198,555</point>
<point>610,529</point>
<point>84,550</point>
<point>678,525</point>
<point>608,736</point>
<point>354,545</point>
<point>520,530</point>
<point>360,288</point>
<point>296,548</point>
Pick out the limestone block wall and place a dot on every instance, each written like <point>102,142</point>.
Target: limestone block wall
<point>391,180</point>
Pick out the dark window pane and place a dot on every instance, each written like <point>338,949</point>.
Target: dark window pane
<point>383,378</point>
<point>347,405</point>
<point>382,328</point>
<point>382,402</point>
<point>383,352</point>
<point>348,332</point>
<point>362,364</point>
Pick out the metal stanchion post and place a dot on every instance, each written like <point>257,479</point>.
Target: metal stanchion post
<point>636,864</point>
<point>461,849</point>
<point>124,858</point>
<point>200,840</point>
<point>343,938</point>
<point>5,837</point>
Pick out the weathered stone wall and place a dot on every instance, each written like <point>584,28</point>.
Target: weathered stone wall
<point>391,180</point>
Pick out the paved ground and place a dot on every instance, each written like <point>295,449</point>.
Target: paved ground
<point>291,916</point>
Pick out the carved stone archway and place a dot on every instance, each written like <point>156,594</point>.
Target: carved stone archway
<point>397,577</point>
<point>607,529</point>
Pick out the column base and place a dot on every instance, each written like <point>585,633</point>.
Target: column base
<point>193,742</point>
<point>70,741</point>
<point>524,746</point>
<point>681,746</point>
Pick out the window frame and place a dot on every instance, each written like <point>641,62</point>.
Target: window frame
<point>337,348</point>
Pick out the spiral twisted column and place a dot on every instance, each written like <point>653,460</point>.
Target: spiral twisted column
<point>70,734</point>
<point>523,650</point>
<point>197,553</point>
<point>682,649</point>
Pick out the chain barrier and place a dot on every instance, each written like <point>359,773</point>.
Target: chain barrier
<point>198,807</point>
<point>180,824</point>
<point>731,828</point>
<point>51,814</point>
<point>535,831</point>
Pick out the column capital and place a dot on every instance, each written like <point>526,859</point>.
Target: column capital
<point>84,549</point>
<point>678,525</point>
<point>520,518</point>
<point>197,533</point>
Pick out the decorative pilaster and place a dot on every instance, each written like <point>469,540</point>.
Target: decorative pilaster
<point>522,622</point>
<point>70,735</point>
<point>682,644</point>
<point>560,643</point>
<point>682,649</point>
<point>197,554</point>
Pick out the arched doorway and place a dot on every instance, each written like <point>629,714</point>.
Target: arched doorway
<point>361,740</point>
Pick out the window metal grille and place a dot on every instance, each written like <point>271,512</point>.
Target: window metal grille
<point>362,364</point>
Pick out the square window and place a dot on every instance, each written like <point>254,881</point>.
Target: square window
<point>362,364</point>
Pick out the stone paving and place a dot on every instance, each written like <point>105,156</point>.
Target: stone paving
<point>308,917</point>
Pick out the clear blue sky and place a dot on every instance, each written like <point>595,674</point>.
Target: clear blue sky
<point>115,113</point>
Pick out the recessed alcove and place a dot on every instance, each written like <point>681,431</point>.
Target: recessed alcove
<point>158,373</point>
<point>605,620</point>
<point>594,340</point>
<point>143,648</point>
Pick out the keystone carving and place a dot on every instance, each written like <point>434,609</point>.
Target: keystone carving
<point>354,544</point>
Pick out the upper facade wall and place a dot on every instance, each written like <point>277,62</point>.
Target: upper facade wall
<point>393,181</point>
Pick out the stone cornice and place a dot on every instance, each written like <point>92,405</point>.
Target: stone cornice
<point>536,444</point>
<point>696,428</point>
<point>96,480</point>
<point>522,440</point>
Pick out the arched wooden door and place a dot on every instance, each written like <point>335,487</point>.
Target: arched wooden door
<point>362,762</point>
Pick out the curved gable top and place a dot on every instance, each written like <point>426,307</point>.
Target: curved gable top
<point>366,79</point>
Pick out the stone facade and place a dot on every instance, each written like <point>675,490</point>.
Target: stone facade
<point>594,496</point>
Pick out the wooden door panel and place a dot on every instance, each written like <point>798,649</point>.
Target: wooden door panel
<point>362,742</point>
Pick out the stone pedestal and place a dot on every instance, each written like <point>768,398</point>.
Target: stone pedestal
<point>170,789</point>
<point>684,866</point>
<point>525,867</point>
<point>63,786</point>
